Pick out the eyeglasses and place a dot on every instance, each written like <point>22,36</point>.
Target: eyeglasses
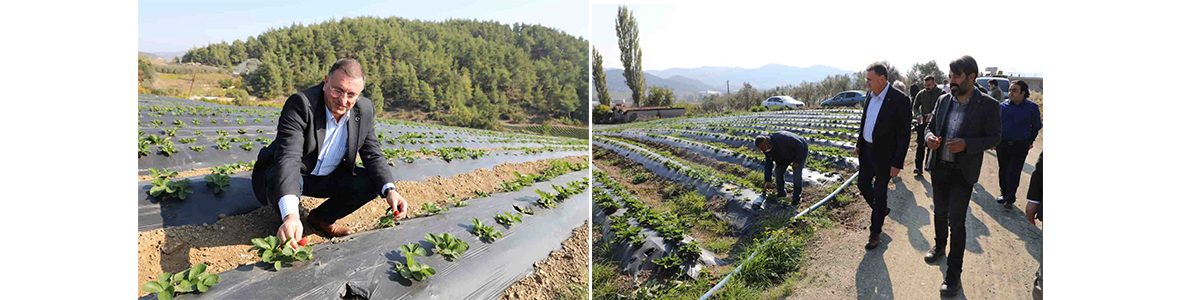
<point>341,92</point>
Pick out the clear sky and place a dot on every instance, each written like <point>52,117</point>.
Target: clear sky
<point>847,35</point>
<point>180,25</point>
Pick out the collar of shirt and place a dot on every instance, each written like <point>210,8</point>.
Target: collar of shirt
<point>330,120</point>
<point>881,95</point>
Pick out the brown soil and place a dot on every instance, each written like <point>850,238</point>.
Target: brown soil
<point>224,244</point>
<point>563,275</point>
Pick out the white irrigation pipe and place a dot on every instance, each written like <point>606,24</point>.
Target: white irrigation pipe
<point>801,214</point>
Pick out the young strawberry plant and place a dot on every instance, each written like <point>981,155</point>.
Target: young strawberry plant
<point>187,140</point>
<point>480,194</point>
<point>240,121</point>
<point>217,182</point>
<point>170,131</point>
<point>259,130</point>
<point>186,281</point>
<point>156,123</point>
<point>447,245</point>
<point>247,146</point>
<point>257,120</point>
<point>199,133</point>
<point>508,218</point>
<point>388,219</point>
<point>547,200</point>
<point>431,208</point>
<point>221,132</point>
<point>167,148</point>
<point>177,122</point>
<point>523,210</point>
<point>143,148</point>
<point>195,122</point>
<point>163,189</point>
<point>412,269</point>
<point>241,131</point>
<point>212,121</point>
<point>486,233</point>
<point>196,148</point>
<point>222,144</point>
<point>273,252</point>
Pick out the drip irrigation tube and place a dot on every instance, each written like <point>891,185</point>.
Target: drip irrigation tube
<point>801,214</point>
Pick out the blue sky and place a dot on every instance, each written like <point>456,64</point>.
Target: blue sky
<point>180,25</point>
<point>844,35</point>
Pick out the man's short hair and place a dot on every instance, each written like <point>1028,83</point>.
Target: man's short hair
<point>993,82</point>
<point>348,65</point>
<point>898,83</point>
<point>878,69</point>
<point>965,66</point>
<point>1024,87</point>
<point>760,140</point>
<point>929,78</point>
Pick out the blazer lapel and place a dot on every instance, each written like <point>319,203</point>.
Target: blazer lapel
<point>319,120</point>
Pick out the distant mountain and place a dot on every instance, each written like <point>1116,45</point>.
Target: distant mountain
<point>764,77</point>
<point>685,88</point>
<point>165,55</point>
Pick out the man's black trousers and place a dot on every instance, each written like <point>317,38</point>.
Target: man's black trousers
<point>951,196</point>
<point>346,193</point>
<point>1011,157</point>
<point>873,178</point>
<point>920,133</point>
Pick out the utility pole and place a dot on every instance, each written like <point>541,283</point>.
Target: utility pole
<point>189,93</point>
<point>727,87</point>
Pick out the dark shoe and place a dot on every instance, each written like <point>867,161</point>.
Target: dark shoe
<point>795,201</point>
<point>887,212</point>
<point>934,254</point>
<point>1000,200</point>
<point>332,230</point>
<point>917,172</point>
<point>873,241</point>
<point>1008,205</point>
<point>950,288</point>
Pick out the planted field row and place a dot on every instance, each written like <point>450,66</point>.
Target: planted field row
<point>391,261</point>
<point>642,238</point>
<point>739,201</point>
<point>206,197</point>
<point>819,168</point>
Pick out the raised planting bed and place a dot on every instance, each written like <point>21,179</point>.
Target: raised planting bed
<point>640,237</point>
<point>739,200</point>
<point>205,206</point>
<point>365,265</point>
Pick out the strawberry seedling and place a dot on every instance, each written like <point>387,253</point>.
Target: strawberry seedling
<point>547,200</point>
<point>221,132</point>
<point>413,269</point>
<point>195,122</point>
<point>523,210</point>
<point>508,218</point>
<point>222,144</point>
<point>259,130</point>
<point>196,148</point>
<point>431,208</point>
<point>257,120</point>
<point>190,280</point>
<point>170,131</point>
<point>240,121</point>
<point>167,149</point>
<point>388,219</point>
<point>241,131</point>
<point>156,123</point>
<point>164,189</point>
<point>187,140</point>
<point>447,245</point>
<point>248,146</point>
<point>177,122</point>
<point>480,194</point>
<point>199,133</point>
<point>273,252</point>
<point>217,182</point>
<point>143,148</point>
<point>486,233</point>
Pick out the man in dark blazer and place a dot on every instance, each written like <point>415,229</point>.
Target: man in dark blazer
<point>779,150</point>
<point>322,130</point>
<point>965,123</point>
<point>882,144</point>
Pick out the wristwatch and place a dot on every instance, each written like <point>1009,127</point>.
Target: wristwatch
<point>385,191</point>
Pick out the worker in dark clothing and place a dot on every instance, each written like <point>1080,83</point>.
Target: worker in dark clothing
<point>781,149</point>
<point>923,104</point>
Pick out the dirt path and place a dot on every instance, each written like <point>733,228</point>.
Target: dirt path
<point>1002,249</point>
<point>563,275</point>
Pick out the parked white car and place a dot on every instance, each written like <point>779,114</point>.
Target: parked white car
<point>782,101</point>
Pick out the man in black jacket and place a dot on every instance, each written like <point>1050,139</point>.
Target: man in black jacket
<point>923,104</point>
<point>882,144</point>
<point>322,130</point>
<point>965,123</point>
<point>781,149</point>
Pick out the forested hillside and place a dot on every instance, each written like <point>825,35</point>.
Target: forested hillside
<point>464,72</point>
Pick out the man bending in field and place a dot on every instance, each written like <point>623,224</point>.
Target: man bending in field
<point>321,132</point>
<point>781,149</point>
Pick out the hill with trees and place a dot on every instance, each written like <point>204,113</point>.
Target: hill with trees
<point>461,72</point>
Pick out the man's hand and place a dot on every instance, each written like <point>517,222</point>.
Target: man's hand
<point>1030,211</point>
<point>933,142</point>
<point>397,203</point>
<point>291,228</point>
<point>956,145</point>
<point>928,118</point>
<point>895,171</point>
